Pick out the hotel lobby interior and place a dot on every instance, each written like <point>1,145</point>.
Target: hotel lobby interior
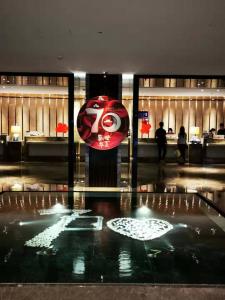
<point>88,208</point>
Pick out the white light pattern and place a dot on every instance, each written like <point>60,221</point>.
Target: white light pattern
<point>143,230</point>
<point>52,211</point>
<point>45,238</point>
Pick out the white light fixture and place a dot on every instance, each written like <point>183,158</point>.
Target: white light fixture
<point>16,187</point>
<point>127,76</point>
<point>194,130</point>
<point>79,74</point>
<point>15,131</point>
<point>143,212</point>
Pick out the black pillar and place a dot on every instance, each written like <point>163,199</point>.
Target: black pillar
<point>135,131</point>
<point>71,147</point>
<point>103,164</point>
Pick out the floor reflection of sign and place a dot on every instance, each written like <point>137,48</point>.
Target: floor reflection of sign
<point>103,123</point>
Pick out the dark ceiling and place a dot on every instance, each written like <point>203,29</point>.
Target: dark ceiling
<point>117,36</point>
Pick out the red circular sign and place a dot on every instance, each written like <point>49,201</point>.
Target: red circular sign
<point>103,123</point>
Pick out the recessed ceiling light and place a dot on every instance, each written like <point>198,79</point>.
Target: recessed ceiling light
<point>79,74</point>
<point>202,90</point>
<point>127,76</point>
<point>218,90</point>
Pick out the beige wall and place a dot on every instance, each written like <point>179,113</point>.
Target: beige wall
<point>175,112</point>
<point>33,113</point>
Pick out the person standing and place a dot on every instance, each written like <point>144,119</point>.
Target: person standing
<point>161,141</point>
<point>182,142</point>
<point>221,131</point>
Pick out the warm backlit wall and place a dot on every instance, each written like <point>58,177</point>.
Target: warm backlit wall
<point>175,112</point>
<point>33,113</point>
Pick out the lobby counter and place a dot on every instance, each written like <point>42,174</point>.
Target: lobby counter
<point>214,151</point>
<point>148,150</point>
<point>45,148</point>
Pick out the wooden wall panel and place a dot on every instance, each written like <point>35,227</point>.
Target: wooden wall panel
<point>213,116</point>
<point>186,115</point>
<point>219,110</point>
<point>161,105</point>
<point>19,117</point>
<point>59,109</point>
<point>158,113</point>
<point>224,111</point>
<point>166,115</point>
<point>199,115</point>
<point>172,115</point>
<point>0,114</point>
<point>39,114</point>
<point>26,115</point>
<point>152,119</point>
<point>52,120</point>
<point>191,115</point>
<point>12,112</point>
<point>33,114</point>
<point>5,111</point>
<point>65,114</point>
<point>46,115</point>
<point>179,116</point>
<point>206,119</point>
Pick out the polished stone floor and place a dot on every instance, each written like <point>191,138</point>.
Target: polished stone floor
<point>151,177</point>
<point>72,237</point>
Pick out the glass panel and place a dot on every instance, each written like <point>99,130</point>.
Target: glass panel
<point>33,133</point>
<point>199,108</point>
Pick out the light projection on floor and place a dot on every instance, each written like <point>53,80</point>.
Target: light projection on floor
<point>45,238</point>
<point>60,209</point>
<point>143,230</point>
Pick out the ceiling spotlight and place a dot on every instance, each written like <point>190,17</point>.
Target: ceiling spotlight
<point>127,76</point>
<point>202,90</point>
<point>218,90</point>
<point>105,74</point>
<point>79,74</point>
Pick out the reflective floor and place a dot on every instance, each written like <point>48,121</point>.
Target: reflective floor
<point>110,238</point>
<point>53,176</point>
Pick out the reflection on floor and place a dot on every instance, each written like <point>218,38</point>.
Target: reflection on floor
<point>175,178</point>
<point>110,238</point>
<point>151,177</point>
<point>33,176</point>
